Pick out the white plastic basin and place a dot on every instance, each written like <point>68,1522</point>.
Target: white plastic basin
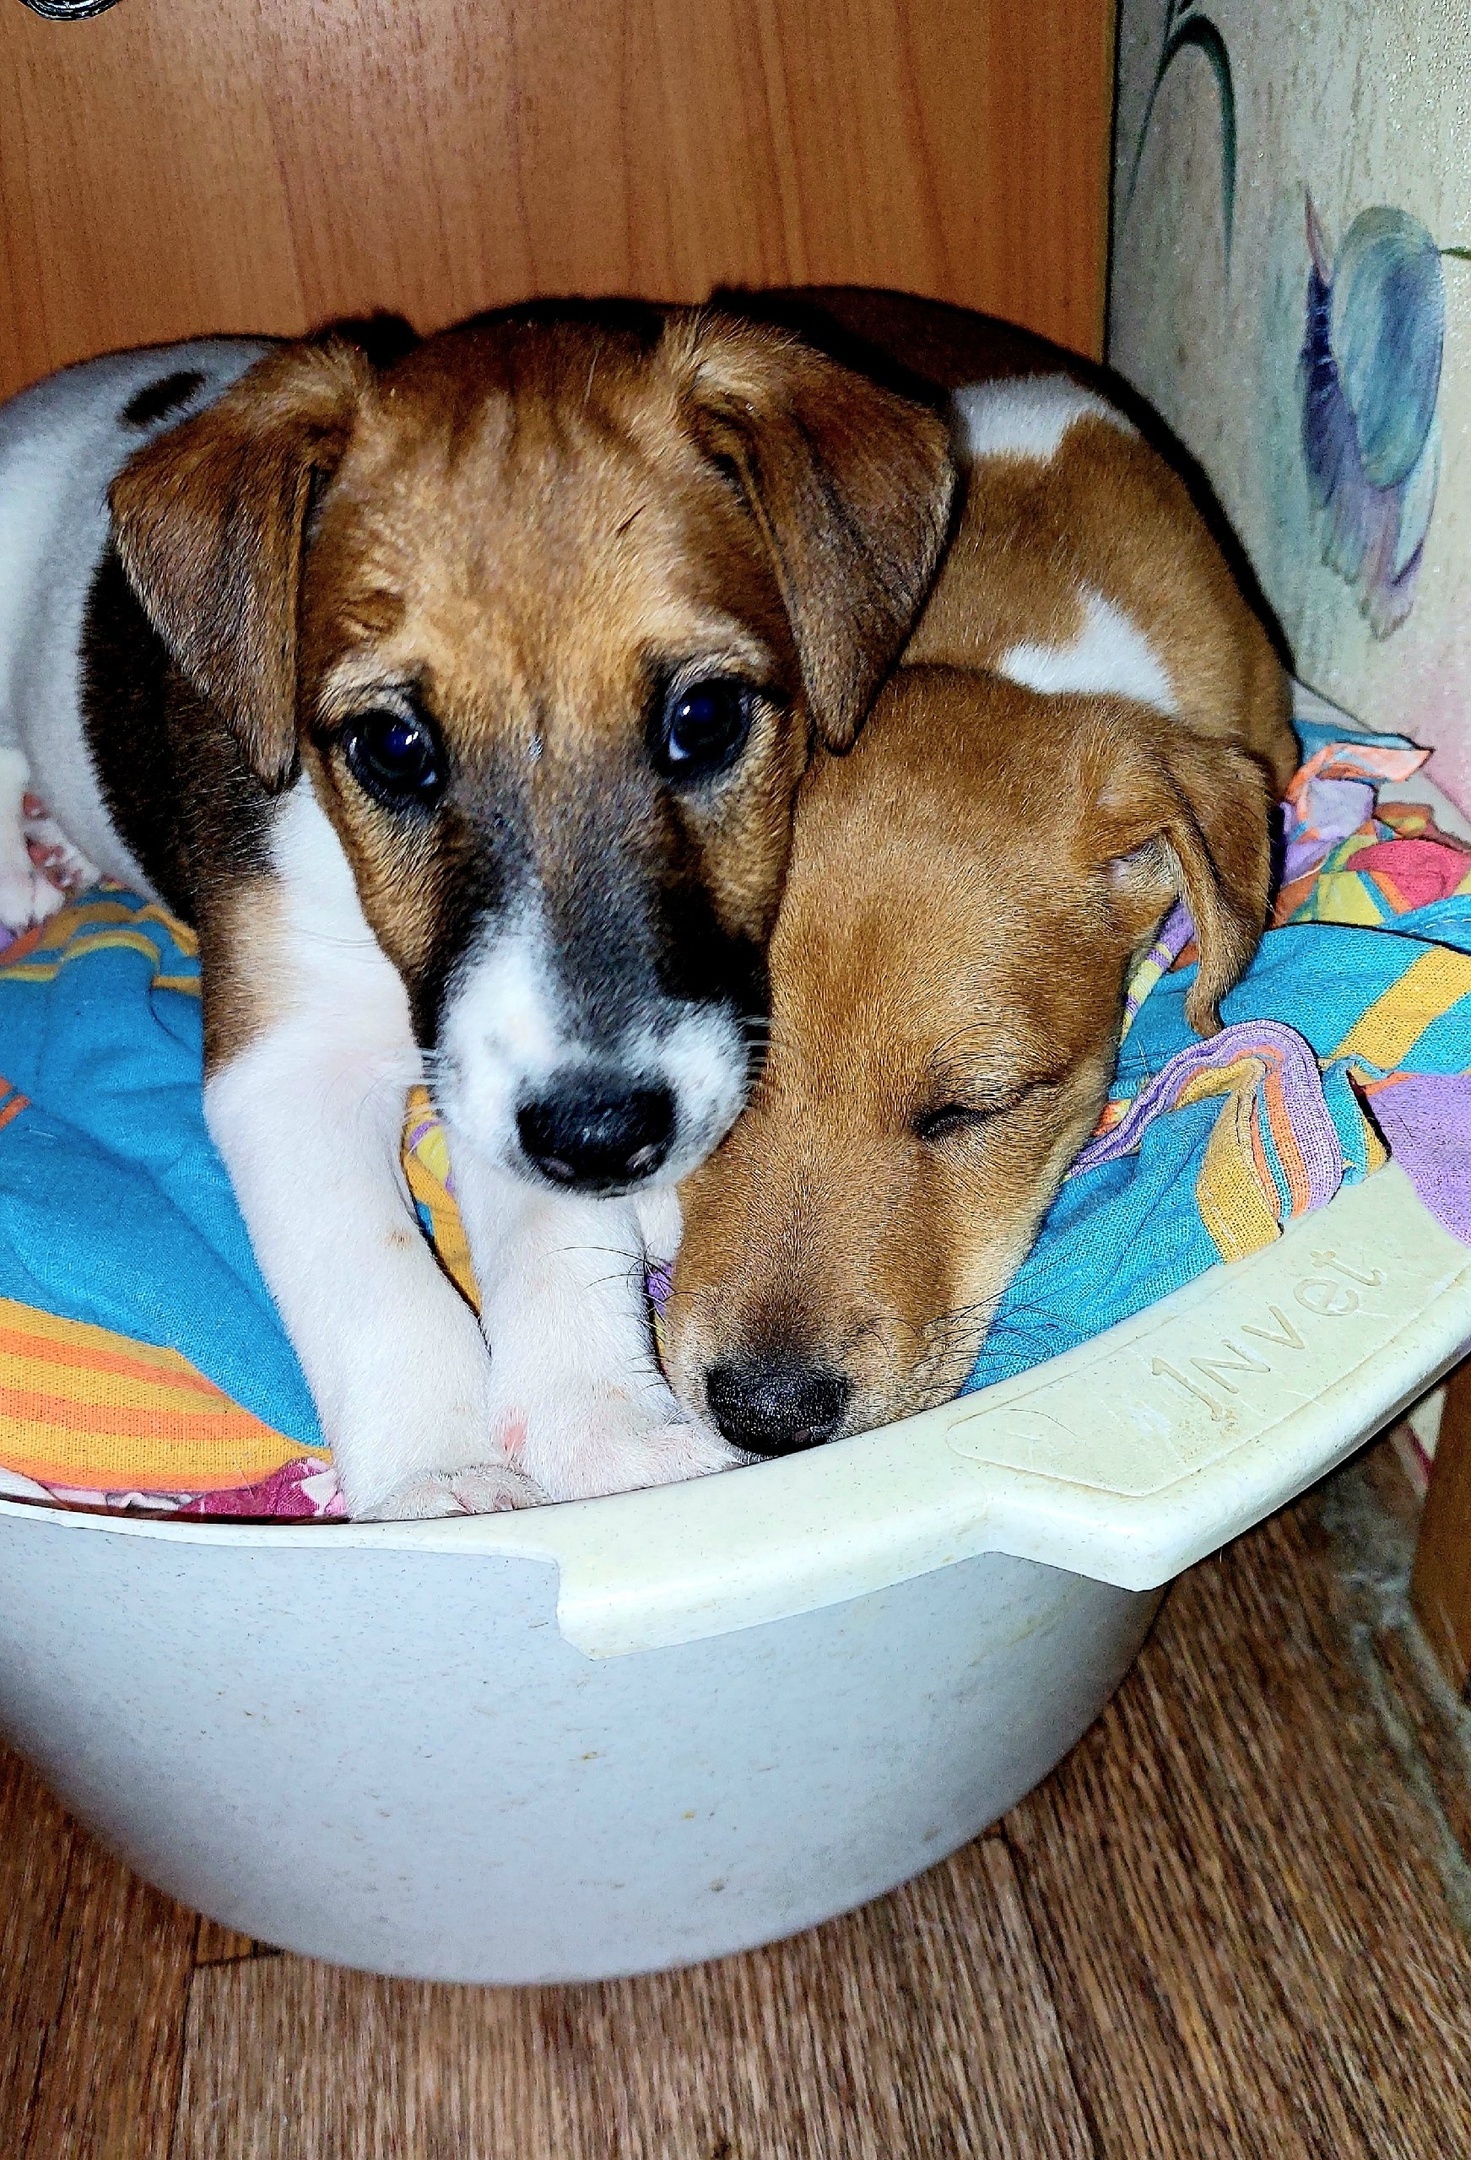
<point>635,1732</point>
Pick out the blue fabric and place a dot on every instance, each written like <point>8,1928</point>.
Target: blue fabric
<point>114,1206</point>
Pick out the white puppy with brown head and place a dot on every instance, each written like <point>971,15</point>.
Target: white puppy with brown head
<point>461,707</point>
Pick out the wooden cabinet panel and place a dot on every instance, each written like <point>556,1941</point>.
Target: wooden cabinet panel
<point>183,165</point>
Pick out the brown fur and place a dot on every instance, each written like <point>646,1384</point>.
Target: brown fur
<point>242,956</point>
<point>1109,513</point>
<point>966,898</point>
<point>967,894</point>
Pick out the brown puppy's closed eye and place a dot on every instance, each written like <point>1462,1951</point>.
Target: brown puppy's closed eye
<point>968,893</point>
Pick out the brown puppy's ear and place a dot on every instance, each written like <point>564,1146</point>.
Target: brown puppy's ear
<point>209,519</point>
<point>850,486</point>
<point>1187,816</point>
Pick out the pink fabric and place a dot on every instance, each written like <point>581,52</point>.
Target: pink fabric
<point>1421,871</point>
<point>299,1491</point>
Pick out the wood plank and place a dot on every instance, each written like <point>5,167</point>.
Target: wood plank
<point>272,167</point>
<point>921,2026</point>
<point>94,1980</point>
<point>1236,1895</point>
<point>139,194</point>
<point>1440,1587</point>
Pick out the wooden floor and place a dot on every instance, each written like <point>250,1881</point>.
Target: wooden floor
<point>1233,1923</point>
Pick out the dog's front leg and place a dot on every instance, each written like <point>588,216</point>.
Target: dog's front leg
<point>581,1406</point>
<point>307,1111</point>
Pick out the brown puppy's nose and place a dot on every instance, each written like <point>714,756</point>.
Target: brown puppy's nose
<point>596,1134</point>
<point>776,1405</point>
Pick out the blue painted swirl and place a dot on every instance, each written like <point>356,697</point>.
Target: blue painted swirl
<point>1369,377</point>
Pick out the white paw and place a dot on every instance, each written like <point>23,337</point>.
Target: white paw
<point>684,1449</point>
<point>577,1400</point>
<point>53,854</point>
<point>478,1489</point>
<point>579,1443</point>
<point>27,898</point>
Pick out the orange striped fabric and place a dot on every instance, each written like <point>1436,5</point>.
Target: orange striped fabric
<point>82,1408</point>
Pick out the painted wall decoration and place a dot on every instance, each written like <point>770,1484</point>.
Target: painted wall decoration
<point>1188,29</point>
<point>1291,287</point>
<point>1369,378</point>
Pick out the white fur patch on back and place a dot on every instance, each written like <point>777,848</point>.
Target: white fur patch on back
<point>1110,656</point>
<point>1027,417</point>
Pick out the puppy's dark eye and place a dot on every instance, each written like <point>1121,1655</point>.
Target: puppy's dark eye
<point>949,1118</point>
<point>395,757</point>
<point>702,729</point>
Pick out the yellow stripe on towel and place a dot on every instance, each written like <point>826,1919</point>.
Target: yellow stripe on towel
<point>1394,1023</point>
<point>426,1166</point>
<point>37,969</point>
<point>96,923</point>
<point>84,1408</point>
<point>1235,1191</point>
<point>1339,897</point>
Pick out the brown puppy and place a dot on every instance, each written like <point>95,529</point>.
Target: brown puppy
<point>461,706</point>
<point>968,893</point>
<point>854,1279</point>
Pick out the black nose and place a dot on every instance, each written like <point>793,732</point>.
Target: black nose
<point>776,1405</point>
<point>596,1133</point>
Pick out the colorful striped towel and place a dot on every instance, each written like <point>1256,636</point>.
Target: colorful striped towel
<point>141,1357</point>
<point>142,1363</point>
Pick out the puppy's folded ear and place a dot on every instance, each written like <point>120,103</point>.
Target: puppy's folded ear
<point>849,484</point>
<point>209,521</point>
<point>1185,816</point>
